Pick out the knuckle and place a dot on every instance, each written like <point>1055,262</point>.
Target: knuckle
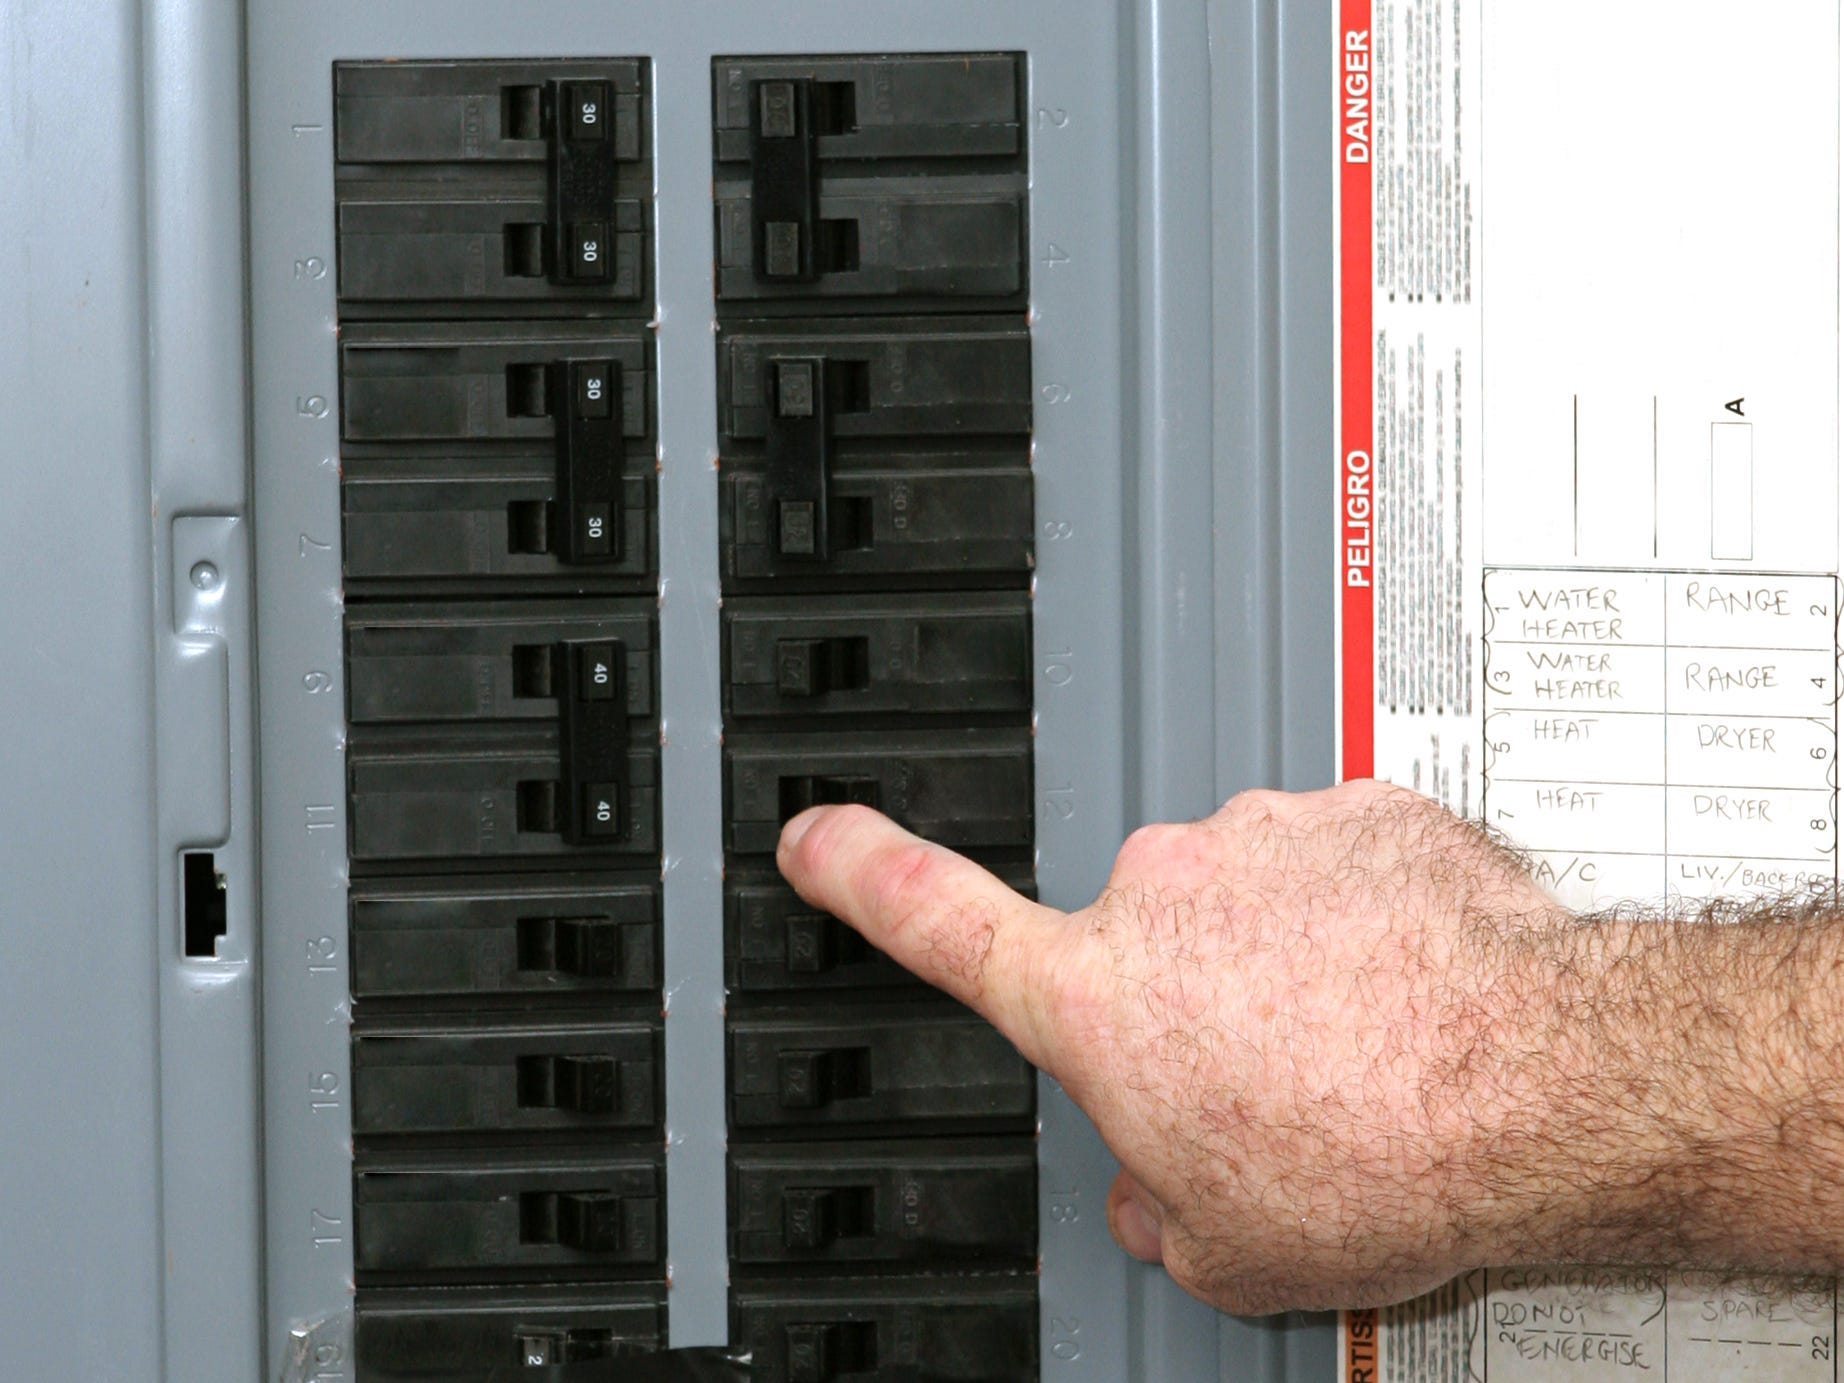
<point>1373,792</point>
<point>1257,807</point>
<point>1150,846</point>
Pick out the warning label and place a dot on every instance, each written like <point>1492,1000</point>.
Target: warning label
<point>1589,529</point>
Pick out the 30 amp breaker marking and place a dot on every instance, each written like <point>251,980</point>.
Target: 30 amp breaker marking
<point>842,179</point>
<point>413,1335</point>
<point>471,383</point>
<point>452,403</point>
<point>475,526</point>
<point>466,182</point>
<point>506,1215</point>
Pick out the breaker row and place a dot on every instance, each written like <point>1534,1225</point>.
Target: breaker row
<point>839,184</point>
<point>842,1330</point>
<point>520,457</point>
<point>800,413</point>
<point>507,1089</point>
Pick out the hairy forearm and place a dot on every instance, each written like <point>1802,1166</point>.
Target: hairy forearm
<point>1685,1092</point>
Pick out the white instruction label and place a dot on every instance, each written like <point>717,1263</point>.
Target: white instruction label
<point>1589,523</point>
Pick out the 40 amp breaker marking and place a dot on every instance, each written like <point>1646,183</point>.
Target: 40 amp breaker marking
<point>880,179</point>
<point>462,183</point>
<point>507,661</point>
<point>495,792</point>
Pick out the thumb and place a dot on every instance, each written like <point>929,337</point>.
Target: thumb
<point>938,914</point>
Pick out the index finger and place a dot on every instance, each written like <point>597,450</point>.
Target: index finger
<point>938,914</point>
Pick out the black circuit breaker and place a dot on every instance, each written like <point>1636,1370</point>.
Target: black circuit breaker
<point>412,1335</point>
<point>498,426</point>
<point>891,179</point>
<point>876,453</point>
<point>774,943</point>
<point>966,1329</point>
<point>467,183</point>
<point>875,408</point>
<point>497,457</point>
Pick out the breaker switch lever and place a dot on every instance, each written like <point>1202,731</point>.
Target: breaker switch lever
<point>799,456</point>
<point>813,1217</point>
<point>540,1348</point>
<point>818,944</point>
<point>587,516</point>
<point>587,1221</point>
<point>579,1084</point>
<point>814,667</point>
<point>821,790</point>
<point>785,184</point>
<point>592,700</point>
<point>588,947</point>
<point>591,134</point>
<point>823,1353</point>
<point>814,1080</point>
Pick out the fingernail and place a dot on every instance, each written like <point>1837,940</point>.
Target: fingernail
<point>792,832</point>
<point>1137,1231</point>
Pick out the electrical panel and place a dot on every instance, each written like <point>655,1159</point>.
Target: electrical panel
<point>551,446</point>
<point>497,420</point>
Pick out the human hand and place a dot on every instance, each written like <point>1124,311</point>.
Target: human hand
<point>1314,1029</point>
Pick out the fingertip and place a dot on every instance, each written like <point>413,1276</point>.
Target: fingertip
<point>820,847</point>
<point>1135,1220</point>
<point>795,830</point>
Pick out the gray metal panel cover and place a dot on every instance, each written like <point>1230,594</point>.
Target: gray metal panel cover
<point>79,1087</point>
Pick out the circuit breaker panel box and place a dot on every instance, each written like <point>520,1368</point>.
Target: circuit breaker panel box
<point>567,442</point>
<point>497,406</point>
